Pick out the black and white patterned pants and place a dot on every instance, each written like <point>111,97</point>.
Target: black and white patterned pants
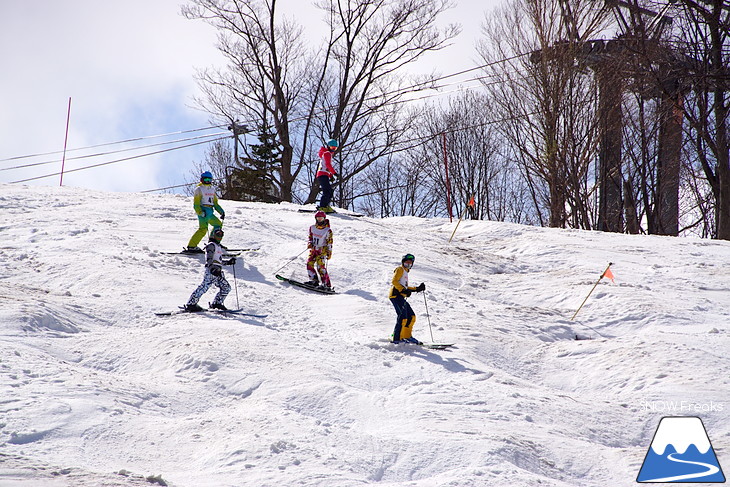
<point>208,280</point>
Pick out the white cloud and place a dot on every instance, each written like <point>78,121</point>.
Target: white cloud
<point>128,67</point>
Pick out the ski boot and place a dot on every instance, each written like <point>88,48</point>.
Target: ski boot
<point>219,306</point>
<point>193,308</point>
<point>192,250</point>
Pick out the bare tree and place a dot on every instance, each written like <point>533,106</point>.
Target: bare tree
<point>462,136</point>
<point>269,67</point>
<point>348,88</point>
<point>639,151</point>
<point>400,187</point>
<point>704,35</point>
<point>457,134</point>
<point>548,99</point>
<point>686,70</point>
<point>372,41</point>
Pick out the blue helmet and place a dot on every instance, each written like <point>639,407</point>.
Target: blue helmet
<point>333,143</point>
<point>206,175</point>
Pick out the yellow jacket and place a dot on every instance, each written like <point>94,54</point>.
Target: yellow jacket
<point>400,282</point>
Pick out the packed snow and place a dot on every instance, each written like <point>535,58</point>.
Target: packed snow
<point>98,391</point>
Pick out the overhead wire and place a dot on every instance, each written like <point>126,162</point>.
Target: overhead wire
<point>423,139</point>
<point>116,161</point>
<point>423,85</point>
<point>99,154</point>
<point>135,139</point>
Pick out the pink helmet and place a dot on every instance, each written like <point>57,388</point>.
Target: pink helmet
<point>320,214</point>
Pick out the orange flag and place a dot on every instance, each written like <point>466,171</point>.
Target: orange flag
<point>609,275</point>
<point>471,202</point>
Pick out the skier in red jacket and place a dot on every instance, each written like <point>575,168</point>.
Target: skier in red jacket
<point>325,173</point>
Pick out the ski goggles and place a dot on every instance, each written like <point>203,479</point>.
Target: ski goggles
<point>207,180</point>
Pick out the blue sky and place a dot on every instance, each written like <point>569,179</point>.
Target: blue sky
<point>129,69</point>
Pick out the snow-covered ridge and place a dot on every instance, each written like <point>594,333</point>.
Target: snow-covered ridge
<point>92,383</point>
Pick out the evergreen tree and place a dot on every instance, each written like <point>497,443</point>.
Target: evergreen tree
<point>255,177</point>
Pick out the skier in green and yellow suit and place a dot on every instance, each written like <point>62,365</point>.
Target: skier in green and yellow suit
<point>204,202</point>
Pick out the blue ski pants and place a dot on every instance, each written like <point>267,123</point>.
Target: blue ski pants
<point>326,187</point>
<point>405,320</point>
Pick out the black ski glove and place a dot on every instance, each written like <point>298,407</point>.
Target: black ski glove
<point>223,216</point>
<point>216,271</point>
<point>421,287</point>
<point>231,261</point>
<point>406,293</point>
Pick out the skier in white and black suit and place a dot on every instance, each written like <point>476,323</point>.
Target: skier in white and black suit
<point>213,274</point>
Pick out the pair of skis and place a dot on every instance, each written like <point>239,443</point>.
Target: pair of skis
<point>237,312</point>
<point>437,346</point>
<point>432,346</point>
<point>226,252</point>
<point>304,285</point>
<point>309,210</point>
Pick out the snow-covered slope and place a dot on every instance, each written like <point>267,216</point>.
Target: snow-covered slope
<point>94,384</point>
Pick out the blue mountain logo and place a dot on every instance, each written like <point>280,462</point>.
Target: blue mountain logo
<point>680,452</point>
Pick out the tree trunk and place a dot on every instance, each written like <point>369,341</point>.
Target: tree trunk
<point>632,218</point>
<point>668,163</point>
<point>723,169</point>
<point>610,124</point>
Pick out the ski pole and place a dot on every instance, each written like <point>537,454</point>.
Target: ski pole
<point>428,317</point>
<point>295,258</point>
<point>235,284</point>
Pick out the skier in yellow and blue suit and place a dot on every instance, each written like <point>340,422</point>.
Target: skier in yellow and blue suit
<point>400,290</point>
<point>204,202</point>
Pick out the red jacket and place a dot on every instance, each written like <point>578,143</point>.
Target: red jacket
<point>325,163</point>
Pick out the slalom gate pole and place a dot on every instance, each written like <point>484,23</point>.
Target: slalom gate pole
<point>457,224</point>
<point>295,258</point>
<point>428,317</point>
<point>235,284</point>
<point>591,292</point>
<point>65,140</point>
<point>446,171</point>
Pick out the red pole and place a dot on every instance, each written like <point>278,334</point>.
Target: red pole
<point>448,184</point>
<point>65,140</point>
